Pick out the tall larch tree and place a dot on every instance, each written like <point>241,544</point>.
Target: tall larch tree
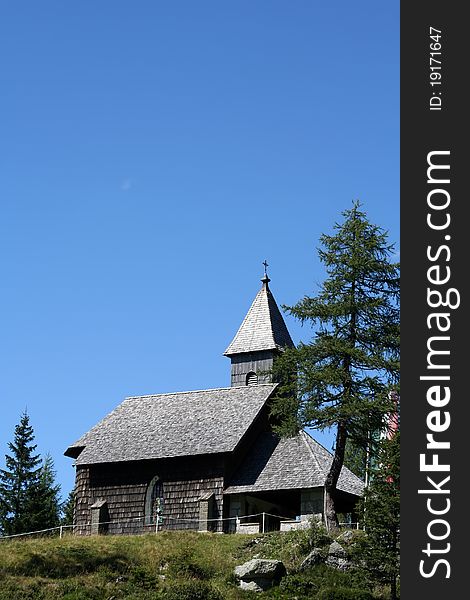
<point>343,376</point>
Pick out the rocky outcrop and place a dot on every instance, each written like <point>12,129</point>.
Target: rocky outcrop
<point>259,574</point>
<point>316,556</point>
<point>337,557</point>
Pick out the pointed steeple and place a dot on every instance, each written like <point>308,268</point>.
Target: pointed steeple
<point>262,335</point>
<point>263,328</point>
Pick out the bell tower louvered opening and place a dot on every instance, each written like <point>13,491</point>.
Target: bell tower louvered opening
<point>252,378</point>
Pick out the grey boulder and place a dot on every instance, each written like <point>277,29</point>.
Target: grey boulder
<point>259,574</point>
<point>337,557</point>
<point>314,558</point>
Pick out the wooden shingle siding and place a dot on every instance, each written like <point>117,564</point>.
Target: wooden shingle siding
<point>124,487</point>
<point>260,363</point>
<point>82,512</point>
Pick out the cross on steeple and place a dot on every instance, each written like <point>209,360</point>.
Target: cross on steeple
<point>265,267</point>
<point>265,278</point>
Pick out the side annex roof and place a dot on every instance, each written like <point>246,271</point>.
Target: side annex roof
<point>288,463</point>
<point>175,424</point>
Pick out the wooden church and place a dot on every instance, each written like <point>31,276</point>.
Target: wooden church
<point>208,459</point>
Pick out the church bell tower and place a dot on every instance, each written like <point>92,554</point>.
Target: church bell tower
<point>261,337</point>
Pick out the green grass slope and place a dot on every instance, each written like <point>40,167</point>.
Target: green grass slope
<point>170,565</point>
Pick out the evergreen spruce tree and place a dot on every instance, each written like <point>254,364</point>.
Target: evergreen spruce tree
<point>43,502</point>
<point>68,509</point>
<point>18,480</point>
<point>379,551</point>
<point>343,376</point>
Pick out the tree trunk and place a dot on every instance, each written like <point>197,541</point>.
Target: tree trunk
<point>393,588</point>
<point>331,520</point>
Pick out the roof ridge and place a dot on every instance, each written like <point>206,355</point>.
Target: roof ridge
<point>344,468</point>
<point>306,437</point>
<point>198,391</point>
<point>246,318</point>
<point>270,295</point>
<point>317,442</point>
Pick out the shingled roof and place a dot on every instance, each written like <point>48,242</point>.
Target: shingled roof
<point>169,425</point>
<point>263,328</point>
<point>288,463</point>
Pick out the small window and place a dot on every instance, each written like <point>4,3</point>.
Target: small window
<point>251,378</point>
<point>154,501</point>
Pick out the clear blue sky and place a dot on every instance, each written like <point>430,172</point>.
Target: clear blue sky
<point>152,155</point>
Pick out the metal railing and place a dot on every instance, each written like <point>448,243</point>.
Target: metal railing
<point>141,525</point>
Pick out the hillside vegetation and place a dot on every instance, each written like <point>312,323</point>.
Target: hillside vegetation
<point>170,565</point>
